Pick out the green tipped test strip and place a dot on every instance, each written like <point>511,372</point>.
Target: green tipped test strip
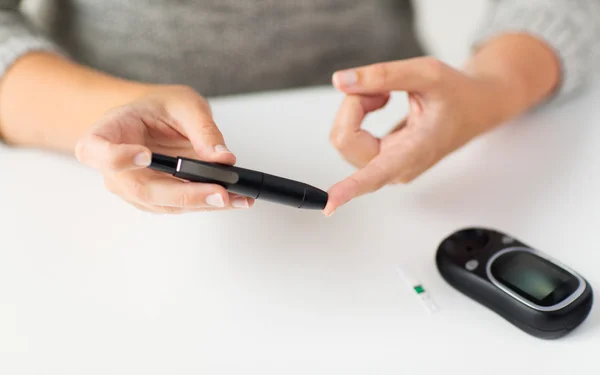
<point>419,290</point>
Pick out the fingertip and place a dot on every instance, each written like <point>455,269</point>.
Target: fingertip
<point>241,202</point>
<point>128,157</point>
<point>335,80</point>
<point>218,197</point>
<point>142,158</point>
<point>217,154</point>
<point>216,200</point>
<point>99,153</point>
<point>224,156</point>
<point>328,210</point>
<point>338,196</point>
<point>345,79</point>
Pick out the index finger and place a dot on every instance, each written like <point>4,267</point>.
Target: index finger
<point>405,75</point>
<point>372,177</point>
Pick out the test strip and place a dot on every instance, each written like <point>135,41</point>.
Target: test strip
<point>419,290</point>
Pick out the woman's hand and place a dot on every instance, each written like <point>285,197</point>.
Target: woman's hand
<point>448,108</point>
<point>172,120</point>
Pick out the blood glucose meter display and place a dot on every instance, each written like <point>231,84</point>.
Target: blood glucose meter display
<point>534,278</point>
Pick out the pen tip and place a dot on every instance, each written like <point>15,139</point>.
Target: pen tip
<point>314,199</point>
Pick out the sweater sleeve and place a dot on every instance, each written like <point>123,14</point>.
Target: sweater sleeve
<point>570,27</point>
<point>17,37</point>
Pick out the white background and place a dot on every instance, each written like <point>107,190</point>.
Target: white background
<point>89,285</point>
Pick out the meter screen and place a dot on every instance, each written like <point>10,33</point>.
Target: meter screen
<point>534,278</point>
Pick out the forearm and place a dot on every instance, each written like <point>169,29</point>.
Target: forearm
<point>47,101</point>
<point>521,69</point>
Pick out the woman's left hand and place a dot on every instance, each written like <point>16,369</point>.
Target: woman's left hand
<point>447,109</point>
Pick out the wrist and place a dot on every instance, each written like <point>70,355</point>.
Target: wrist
<point>498,100</point>
<point>517,72</point>
<point>47,101</point>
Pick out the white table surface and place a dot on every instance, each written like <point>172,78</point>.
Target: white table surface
<point>89,285</point>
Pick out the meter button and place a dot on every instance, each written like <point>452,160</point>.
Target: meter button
<point>471,265</point>
<point>507,240</point>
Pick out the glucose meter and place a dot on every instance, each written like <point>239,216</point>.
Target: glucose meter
<point>531,290</point>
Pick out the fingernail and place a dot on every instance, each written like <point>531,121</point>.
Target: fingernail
<point>240,203</point>
<point>215,200</point>
<point>142,159</point>
<point>346,78</point>
<point>222,148</point>
<point>328,212</point>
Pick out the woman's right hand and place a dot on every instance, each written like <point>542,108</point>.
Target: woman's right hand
<point>172,120</point>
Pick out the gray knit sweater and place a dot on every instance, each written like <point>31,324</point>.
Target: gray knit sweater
<point>232,46</point>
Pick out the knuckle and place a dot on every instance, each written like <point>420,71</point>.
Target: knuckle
<point>202,102</point>
<point>194,99</point>
<point>378,75</point>
<point>203,105</point>
<point>192,199</point>
<point>382,174</point>
<point>186,96</point>
<point>353,183</point>
<point>433,69</point>
<point>342,142</point>
<point>184,91</point>
<point>185,200</point>
<point>337,139</point>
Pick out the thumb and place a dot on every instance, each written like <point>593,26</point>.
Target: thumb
<point>99,153</point>
<point>372,177</point>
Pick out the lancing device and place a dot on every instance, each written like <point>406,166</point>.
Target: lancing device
<point>249,183</point>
